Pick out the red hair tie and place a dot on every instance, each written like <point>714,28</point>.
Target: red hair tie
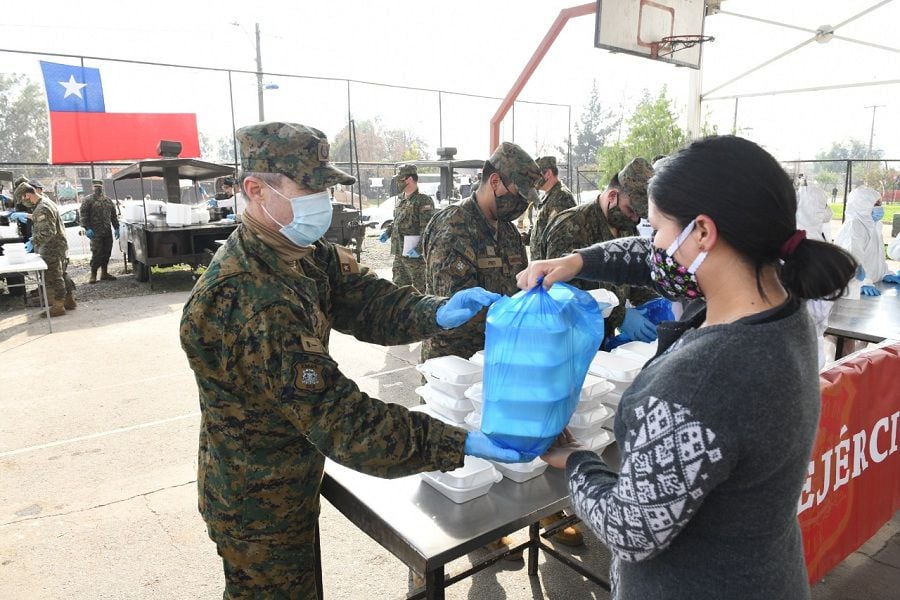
<point>788,247</point>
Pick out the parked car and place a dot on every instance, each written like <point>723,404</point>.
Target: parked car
<point>379,217</point>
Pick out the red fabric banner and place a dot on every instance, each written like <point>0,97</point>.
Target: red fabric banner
<point>853,487</point>
<point>97,136</point>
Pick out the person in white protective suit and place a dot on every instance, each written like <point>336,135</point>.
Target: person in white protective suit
<point>861,236</point>
<point>814,213</point>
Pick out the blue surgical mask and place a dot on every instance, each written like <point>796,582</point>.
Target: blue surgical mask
<point>877,213</point>
<point>312,217</point>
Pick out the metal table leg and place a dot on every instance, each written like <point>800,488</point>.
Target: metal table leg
<point>42,285</point>
<point>534,547</point>
<point>434,584</point>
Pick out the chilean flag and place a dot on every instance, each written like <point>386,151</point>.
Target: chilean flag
<point>82,131</point>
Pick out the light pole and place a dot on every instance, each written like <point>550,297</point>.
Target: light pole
<point>874,107</point>
<point>259,72</point>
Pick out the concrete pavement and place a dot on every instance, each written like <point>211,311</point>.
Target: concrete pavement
<point>98,441</point>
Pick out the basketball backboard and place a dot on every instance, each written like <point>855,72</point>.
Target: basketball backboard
<point>639,26</point>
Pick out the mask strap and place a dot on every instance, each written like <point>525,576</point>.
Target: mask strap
<point>680,239</point>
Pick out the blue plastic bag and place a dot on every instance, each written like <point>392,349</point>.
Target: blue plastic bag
<point>657,311</point>
<point>538,346</point>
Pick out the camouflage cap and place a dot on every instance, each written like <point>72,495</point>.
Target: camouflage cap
<point>20,181</point>
<point>516,166</point>
<point>407,170</point>
<point>633,183</point>
<point>546,162</point>
<point>294,150</point>
<point>35,184</point>
<point>96,182</point>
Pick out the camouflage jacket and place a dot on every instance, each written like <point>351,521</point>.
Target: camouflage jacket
<point>411,215</point>
<point>558,199</point>
<point>97,213</point>
<point>274,403</point>
<point>462,250</point>
<point>584,226</point>
<point>49,233</point>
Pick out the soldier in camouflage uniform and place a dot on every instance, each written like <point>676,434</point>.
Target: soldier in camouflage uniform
<point>273,402</point>
<point>557,198</point>
<point>411,214</point>
<point>49,240</point>
<point>475,243</point>
<point>98,213</point>
<point>614,214</point>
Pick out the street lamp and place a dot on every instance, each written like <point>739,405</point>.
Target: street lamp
<point>259,72</point>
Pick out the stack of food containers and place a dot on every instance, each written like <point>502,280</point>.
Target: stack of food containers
<point>592,420</point>
<point>447,378</point>
<point>472,480</point>
<point>15,253</point>
<point>618,369</point>
<point>642,351</point>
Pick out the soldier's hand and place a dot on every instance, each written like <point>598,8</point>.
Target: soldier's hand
<point>549,272</point>
<point>21,217</point>
<point>29,247</point>
<point>463,305</point>
<point>480,445</point>
<point>385,236</point>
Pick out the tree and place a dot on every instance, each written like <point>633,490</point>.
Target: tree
<point>24,128</point>
<point>591,131</point>
<point>220,150</point>
<point>652,130</point>
<point>376,144</point>
<point>874,174</point>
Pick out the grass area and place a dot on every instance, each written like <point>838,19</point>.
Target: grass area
<point>837,209</point>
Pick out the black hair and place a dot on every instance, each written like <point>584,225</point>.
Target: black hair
<point>554,169</point>
<point>415,177</point>
<point>486,171</point>
<point>752,201</point>
<point>614,182</point>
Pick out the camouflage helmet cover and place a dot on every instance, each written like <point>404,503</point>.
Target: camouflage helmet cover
<point>516,166</point>
<point>294,150</point>
<point>633,180</point>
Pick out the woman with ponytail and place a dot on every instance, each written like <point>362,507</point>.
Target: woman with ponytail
<point>715,433</point>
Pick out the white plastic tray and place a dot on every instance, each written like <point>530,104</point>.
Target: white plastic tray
<point>615,368</point>
<point>451,369</point>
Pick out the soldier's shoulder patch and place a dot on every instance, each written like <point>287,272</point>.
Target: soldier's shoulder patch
<point>347,260</point>
<point>312,344</point>
<point>41,217</point>
<point>459,265</point>
<point>309,377</point>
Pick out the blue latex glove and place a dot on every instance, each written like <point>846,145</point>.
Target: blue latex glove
<point>29,247</point>
<point>385,236</point>
<point>478,444</point>
<point>637,326</point>
<point>21,217</point>
<point>89,233</point>
<point>116,233</point>
<point>892,277</point>
<point>463,305</point>
<point>212,203</point>
<point>413,254</point>
<point>870,290</point>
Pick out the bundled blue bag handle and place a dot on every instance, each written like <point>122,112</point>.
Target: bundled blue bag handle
<point>538,346</point>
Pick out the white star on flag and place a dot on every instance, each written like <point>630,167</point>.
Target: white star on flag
<point>72,87</point>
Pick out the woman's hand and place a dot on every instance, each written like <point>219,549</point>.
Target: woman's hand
<point>559,452</point>
<point>551,271</point>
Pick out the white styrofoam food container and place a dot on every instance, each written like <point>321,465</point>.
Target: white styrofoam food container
<point>644,349</point>
<point>587,432</point>
<point>474,472</point>
<point>448,406</point>
<point>606,297</point>
<point>451,369</point>
<point>589,418</point>
<point>477,358</point>
<point>475,393</point>
<point>594,387</point>
<point>464,495</point>
<point>612,399</point>
<point>473,421</point>
<point>520,472</point>
<point>599,441</point>
<point>455,390</point>
<point>615,368</point>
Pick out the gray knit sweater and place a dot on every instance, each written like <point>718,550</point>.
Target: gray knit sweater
<point>715,436</point>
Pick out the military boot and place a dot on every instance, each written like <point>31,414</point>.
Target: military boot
<point>568,536</point>
<point>69,302</point>
<point>57,308</point>
<point>93,278</point>
<point>104,276</point>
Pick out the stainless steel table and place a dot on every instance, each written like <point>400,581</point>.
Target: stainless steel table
<point>426,530</point>
<point>869,318</point>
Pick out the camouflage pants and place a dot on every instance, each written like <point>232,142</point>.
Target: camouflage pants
<point>409,271</point>
<point>57,280</point>
<point>259,570</point>
<point>101,248</point>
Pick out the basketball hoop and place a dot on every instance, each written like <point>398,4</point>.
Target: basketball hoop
<point>674,43</point>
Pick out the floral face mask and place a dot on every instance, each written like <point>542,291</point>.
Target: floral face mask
<point>674,280</point>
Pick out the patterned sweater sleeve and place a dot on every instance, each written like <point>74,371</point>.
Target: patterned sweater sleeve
<point>620,261</point>
<point>670,463</point>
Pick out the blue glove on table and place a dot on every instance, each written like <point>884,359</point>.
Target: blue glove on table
<point>870,290</point>
<point>637,326</point>
<point>116,233</point>
<point>478,444</point>
<point>385,236</point>
<point>892,277</point>
<point>463,305</point>
<point>21,217</point>
<point>29,247</point>
<point>413,254</point>
<point>89,233</point>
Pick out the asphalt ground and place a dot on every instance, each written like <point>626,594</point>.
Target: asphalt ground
<point>98,444</point>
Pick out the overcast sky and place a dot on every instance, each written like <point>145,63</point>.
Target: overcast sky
<point>474,47</point>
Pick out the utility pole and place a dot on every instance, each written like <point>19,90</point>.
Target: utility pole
<point>259,77</point>
<point>874,107</point>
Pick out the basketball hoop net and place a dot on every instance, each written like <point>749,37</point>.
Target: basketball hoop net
<point>671,44</point>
